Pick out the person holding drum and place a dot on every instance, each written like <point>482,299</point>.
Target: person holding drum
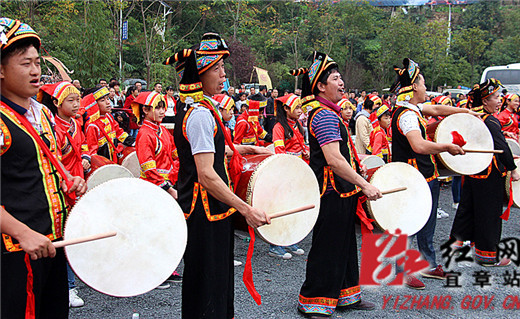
<point>204,190</point>
<point>104,136</point>
<point>479,217</point>
<point>508,116</point>
<point>410,145</point>
<point>332,275</point>
<point>34,183</point>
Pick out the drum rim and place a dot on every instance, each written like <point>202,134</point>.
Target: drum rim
<point>508,179</point>
<point>108,165</point>
<point>127,159</point>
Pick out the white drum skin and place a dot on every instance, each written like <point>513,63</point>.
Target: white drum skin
<point>407,210</point>
<point>477,137</point>
<point>150,241</point>
<point>131,162</point>
<point>514,146</point>
<point>282,182</point>
<point>107,173</point>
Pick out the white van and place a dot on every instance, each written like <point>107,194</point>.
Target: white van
<point>509,75</point>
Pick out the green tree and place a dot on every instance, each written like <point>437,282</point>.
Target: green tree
<point>472,42</point>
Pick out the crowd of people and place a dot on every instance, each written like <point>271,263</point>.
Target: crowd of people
<point>51,133</point>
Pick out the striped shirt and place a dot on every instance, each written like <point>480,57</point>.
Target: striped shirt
<point>325,126</point>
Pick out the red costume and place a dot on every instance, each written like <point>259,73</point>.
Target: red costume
<point>72,144</point>
<point>379,145</point>
<point>293,146</point>
<point>509,122</point>
<point>97,139</point>
<point>248,130</point>
<point>157,154</point>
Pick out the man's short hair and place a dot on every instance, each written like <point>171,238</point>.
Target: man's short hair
<point>262,87</point>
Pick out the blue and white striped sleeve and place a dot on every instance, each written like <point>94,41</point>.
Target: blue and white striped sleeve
<point>325,127</point>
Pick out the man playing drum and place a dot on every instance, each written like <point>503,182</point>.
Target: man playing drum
<point>203,185</point>
<point>332,278</point>
<point>34,205</point>
<point>410,145</point>
<point>478,216</point>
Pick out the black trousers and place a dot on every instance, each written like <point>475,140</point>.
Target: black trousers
<point>49,286</point>
<point>332,277</point>
<point>208,283</point>
<point>478,216</point>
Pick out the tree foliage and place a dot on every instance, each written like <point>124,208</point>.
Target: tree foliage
<point>366,41</point>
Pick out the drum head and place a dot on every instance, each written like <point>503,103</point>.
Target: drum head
<point>516,187</point>
<point>270,147</point>
<point>407,210</point>
<point>372,161</point>
<point>107,173</point>
<point>282,182</point>
<point>132,164</point>
<point>477,136</point>
<point>514,146</point>
<point>150,241</point>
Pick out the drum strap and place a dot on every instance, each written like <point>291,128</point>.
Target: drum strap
<point>247,277</point>
<point>71,141</point>
<point>109,140</point>
<point>366,223</point>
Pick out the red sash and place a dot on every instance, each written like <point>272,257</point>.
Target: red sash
<point>54,161</point>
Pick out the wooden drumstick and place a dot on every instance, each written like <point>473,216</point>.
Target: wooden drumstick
<point>291,211</point>
<point>80,240</point>
<point>394,190</point>
<point>483,151</point>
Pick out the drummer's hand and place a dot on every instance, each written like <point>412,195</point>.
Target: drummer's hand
<point>454,149</point>
<point>86,164</point>
<point>515,175</point>
<point>306,154</point>
<point>172,192</point>
<point>371,192</point>
<point>79,186</point>
<point>363,169</point>
<point>256,217</point>
<point>36,245</point>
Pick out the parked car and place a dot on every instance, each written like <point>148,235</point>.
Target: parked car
<point>509,75</point>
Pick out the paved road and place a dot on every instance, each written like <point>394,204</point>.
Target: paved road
<point>279,281</point>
